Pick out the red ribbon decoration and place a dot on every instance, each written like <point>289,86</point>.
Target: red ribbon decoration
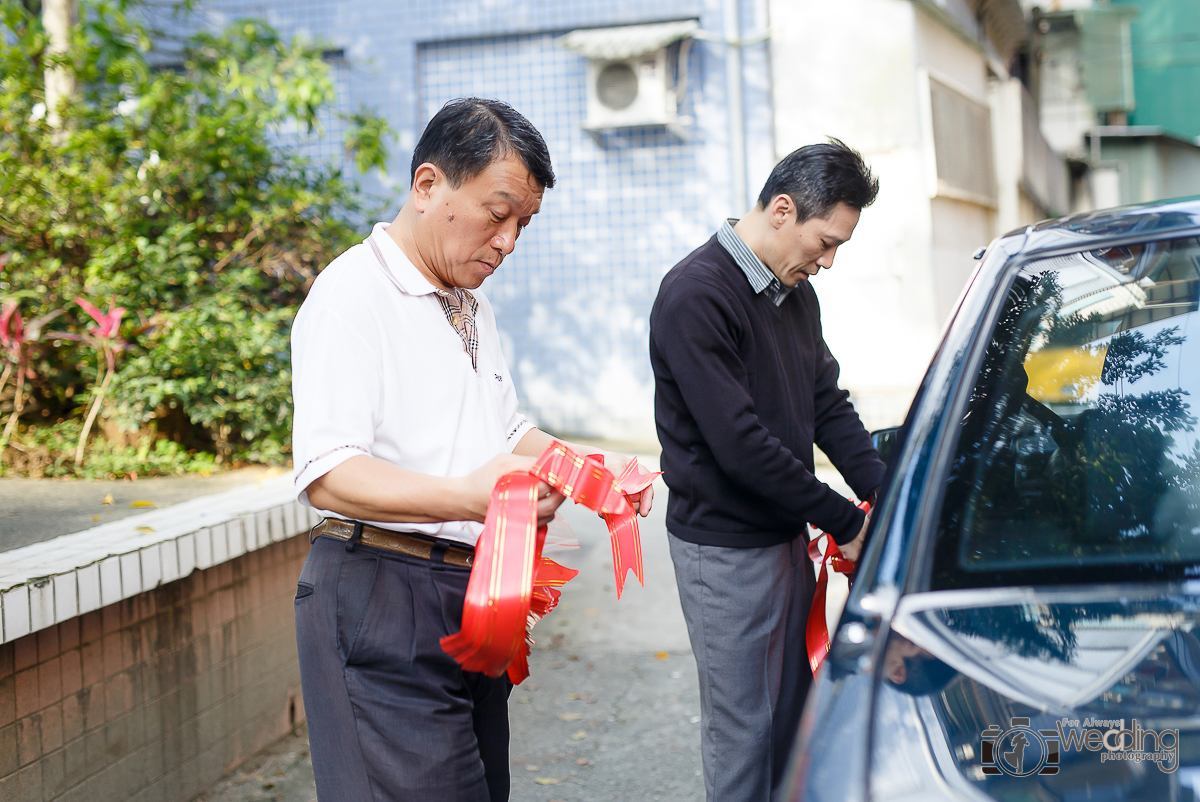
<point>816,635</point>
<point>512,585</point>
<point>623,529</point>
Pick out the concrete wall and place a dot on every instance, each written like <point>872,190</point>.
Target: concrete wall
<point>863,89</point>
<point>958,227</point>
<point>158,696</point>
<point>1181,169</point>
<point>1152,167</point>
<point>885,300</point>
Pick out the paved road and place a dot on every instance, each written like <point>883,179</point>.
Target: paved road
<point>611,709</point>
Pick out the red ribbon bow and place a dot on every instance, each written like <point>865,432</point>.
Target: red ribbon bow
<point>816,635</point>
<point>512,585</point>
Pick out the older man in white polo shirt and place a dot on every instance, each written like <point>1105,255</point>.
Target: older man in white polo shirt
<point>405,417</point>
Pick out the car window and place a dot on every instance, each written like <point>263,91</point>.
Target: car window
<point>1078,456</point>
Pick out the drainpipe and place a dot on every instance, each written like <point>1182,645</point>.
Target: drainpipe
<point>733,92</point>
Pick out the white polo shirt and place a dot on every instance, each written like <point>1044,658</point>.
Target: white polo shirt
<point>378,370</point>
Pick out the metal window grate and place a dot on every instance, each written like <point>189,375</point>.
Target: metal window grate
<point>1043,172</point>
<point>1108,57</point>
<point>962,143</point>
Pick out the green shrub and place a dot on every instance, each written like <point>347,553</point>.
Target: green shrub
<point>162,193</point>
<point>48,451</point>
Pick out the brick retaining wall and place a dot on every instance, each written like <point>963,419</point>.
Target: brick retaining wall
<point>156,697</point>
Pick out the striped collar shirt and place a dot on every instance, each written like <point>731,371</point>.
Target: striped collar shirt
<point>761,279</point>
<point>377,370</point>
<point>458,305</point>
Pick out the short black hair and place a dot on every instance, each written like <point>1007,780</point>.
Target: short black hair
<point>469,133</point>
<point>819,177</point>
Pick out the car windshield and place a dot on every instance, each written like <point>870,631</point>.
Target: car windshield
<point>1078,457</point>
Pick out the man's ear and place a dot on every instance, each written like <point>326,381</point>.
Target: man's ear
<point>779,210</point>
<point>426,179</point>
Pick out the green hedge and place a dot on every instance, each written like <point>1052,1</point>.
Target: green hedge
<point>162,193</point>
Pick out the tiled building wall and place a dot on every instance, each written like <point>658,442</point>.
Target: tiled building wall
<point>156,697</point>
<point>573,301</point>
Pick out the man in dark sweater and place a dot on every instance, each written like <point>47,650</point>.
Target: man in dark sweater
<point>744,386</point>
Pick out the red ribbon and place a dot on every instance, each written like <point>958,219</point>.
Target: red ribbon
<point>512,585</point>
<point>816,635</point>
<point>623,529</point>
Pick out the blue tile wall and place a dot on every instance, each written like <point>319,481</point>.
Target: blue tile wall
<point>573,300</point>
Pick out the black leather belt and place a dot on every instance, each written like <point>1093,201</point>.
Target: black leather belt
<point>405,543</point>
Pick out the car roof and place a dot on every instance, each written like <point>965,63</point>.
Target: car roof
<point>1156,220</point>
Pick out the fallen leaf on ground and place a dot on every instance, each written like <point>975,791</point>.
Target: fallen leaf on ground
<point>548,780</point>
<point>579,736</point>
<point>570,716</point>
<point>145,529</point>
<point>661,655</point>
<point>107,499</point>
<point>143,504</point>
<point>583,697</point>
<point>95,517</point>
<point>581,761</point>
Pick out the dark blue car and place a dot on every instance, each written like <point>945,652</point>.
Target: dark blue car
<point>1023,625</point>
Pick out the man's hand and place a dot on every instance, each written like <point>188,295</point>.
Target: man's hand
<point>536,441</point>
<point>480,482</point>
<point>642,501</point>
<point>853,550</point>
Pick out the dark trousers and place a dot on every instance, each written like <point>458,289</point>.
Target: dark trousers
<point>392,717</point>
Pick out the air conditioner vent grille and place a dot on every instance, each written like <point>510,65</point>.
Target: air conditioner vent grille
<point>617,86</point>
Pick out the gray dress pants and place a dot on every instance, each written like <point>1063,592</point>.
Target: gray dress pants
<point>746,613</point>
<point>391,717</point>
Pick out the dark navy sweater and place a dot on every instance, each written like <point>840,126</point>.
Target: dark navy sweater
<point>743,389</point>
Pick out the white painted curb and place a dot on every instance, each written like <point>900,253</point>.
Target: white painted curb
<point>45,583</point>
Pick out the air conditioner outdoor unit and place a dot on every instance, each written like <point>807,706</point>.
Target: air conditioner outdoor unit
<point>635,74</point>
<point>630,92</point>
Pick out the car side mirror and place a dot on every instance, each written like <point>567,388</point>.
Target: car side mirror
<point>885,441</point>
